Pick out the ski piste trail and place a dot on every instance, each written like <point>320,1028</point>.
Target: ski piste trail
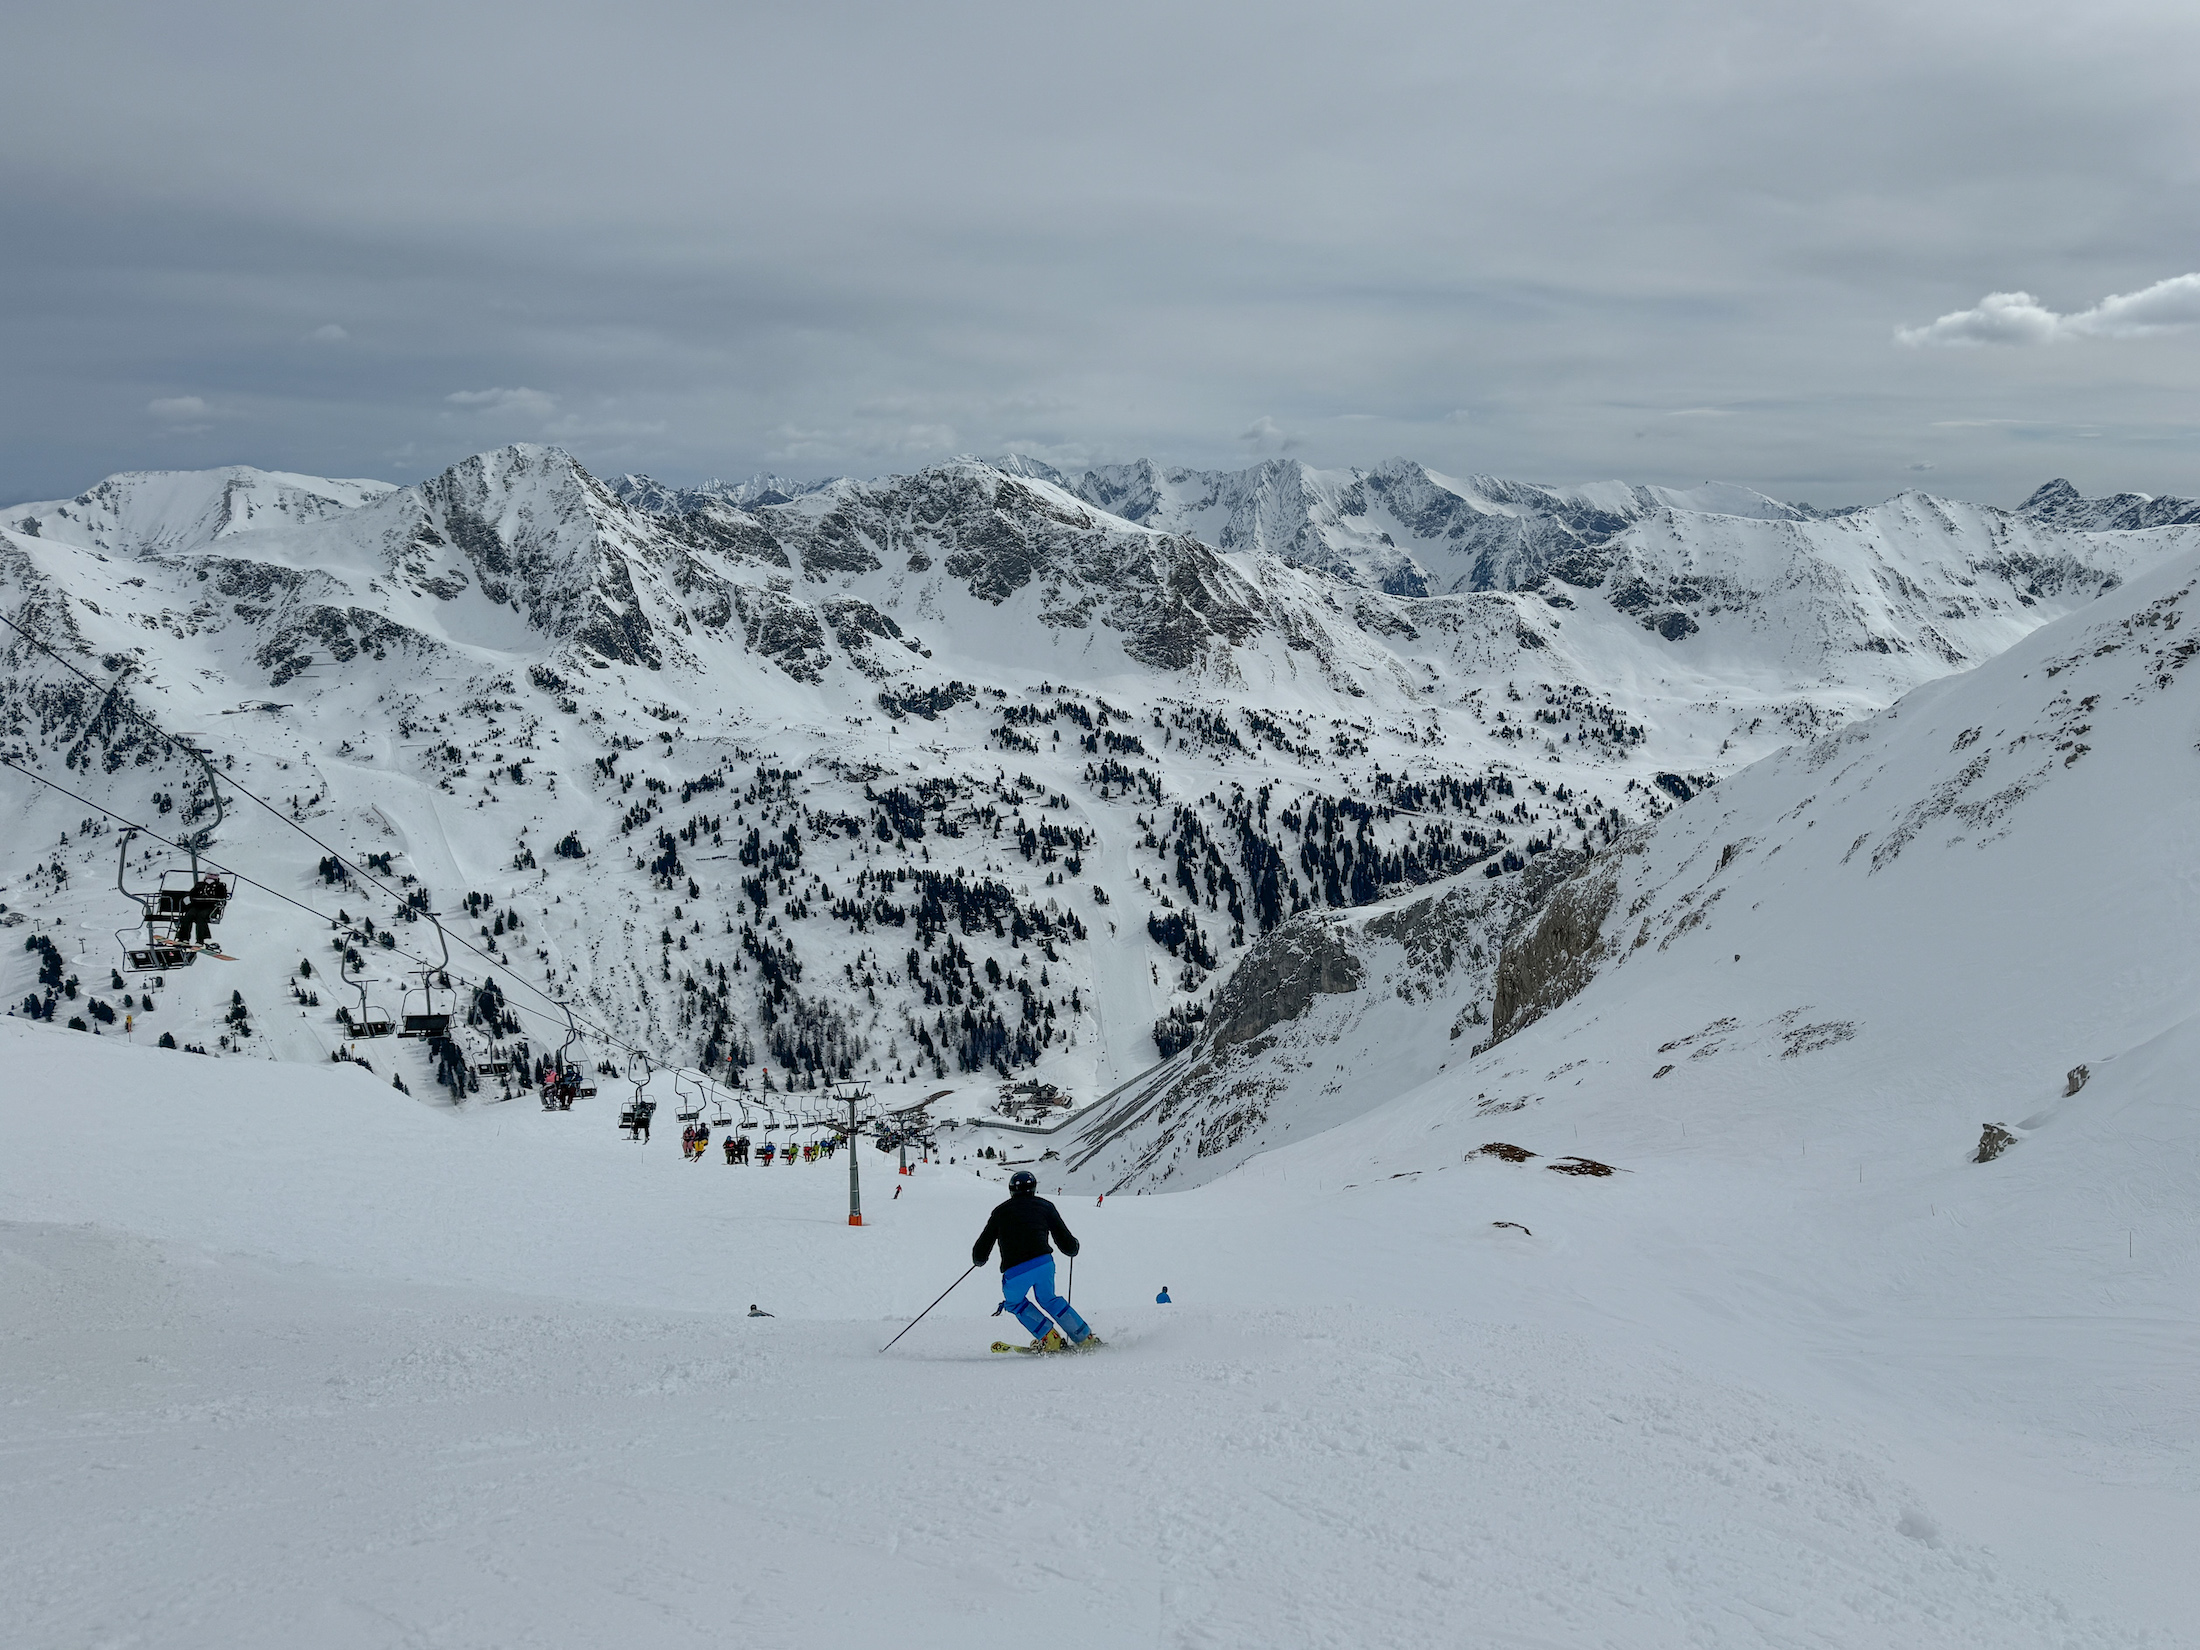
<point>295,1358</point>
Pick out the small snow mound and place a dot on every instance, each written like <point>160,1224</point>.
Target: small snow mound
<point>1918,1527</point>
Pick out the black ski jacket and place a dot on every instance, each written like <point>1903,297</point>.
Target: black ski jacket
<point>1020,1226</point>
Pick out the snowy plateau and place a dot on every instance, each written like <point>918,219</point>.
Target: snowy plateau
<point>1599,1206</point>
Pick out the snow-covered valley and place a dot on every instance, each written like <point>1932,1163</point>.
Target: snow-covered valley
<point>1739,862</point>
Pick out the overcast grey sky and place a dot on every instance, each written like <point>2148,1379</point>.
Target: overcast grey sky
<point>1561,240</point>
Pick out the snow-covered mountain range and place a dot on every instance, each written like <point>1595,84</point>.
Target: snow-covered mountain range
<point>1677,1075</point>
<point>1957,916</point>
<point>1398,527</point>
<point>979,771</point>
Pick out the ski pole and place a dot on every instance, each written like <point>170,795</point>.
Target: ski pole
<point>1072,1280</point>
<point>919,1318</point>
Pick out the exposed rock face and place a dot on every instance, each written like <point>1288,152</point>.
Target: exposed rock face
<point>1174,603</point>
<point>536,532</point>
<point>342,633</point>
<point>2058,504</point>
<point>855,623</point>
<point>1546,963</point>
<point>1433,932</point>
<point>783,630</point>
<point>1279,979</point>
<point>1993,1140</point>
<point>645,493</point>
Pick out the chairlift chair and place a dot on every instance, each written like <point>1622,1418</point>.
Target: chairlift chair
<point>688,1108</point>
<point>638,1111</point>
<point>427,1019</point>
<point>371,1021</point>
<point>563,1085</point>
<point>177,914</point>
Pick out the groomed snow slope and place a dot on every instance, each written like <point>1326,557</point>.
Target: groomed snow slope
<point>293,1359</point>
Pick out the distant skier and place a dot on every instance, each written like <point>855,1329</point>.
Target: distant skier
<point>1021,1226</point>
<point>1162,1299</point>
<point>756,1311</point>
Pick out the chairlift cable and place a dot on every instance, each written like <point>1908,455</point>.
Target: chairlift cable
<point>193,847</point>
<point>144,830</point>
<point>200,757</point>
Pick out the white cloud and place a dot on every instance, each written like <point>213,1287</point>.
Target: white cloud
<point>859,443</point>
<point>573,427</point>
<point>528,403</point>
<point>176,408</point>
<point>1922,464</point>
<point>2020,318</point>
<point>1063,455</point>
<point>330,334</point>
<point>1267,436</point>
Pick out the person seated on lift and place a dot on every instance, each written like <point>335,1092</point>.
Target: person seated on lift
<point>202,908</point>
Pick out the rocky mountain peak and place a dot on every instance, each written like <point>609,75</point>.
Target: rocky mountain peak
<point>2059,504</point>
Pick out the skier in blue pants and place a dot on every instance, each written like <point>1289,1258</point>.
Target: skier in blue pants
<point>1021,1227</point>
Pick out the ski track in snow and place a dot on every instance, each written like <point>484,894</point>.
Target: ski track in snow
<point>224,1452</point>
<point>373,1373</point>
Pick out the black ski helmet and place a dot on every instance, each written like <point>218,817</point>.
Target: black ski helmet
<point>1023,1181</point>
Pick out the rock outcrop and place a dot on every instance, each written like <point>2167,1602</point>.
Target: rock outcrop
<point>1279,980</point>
<point>1549,959</point>
<point>1404,976</point>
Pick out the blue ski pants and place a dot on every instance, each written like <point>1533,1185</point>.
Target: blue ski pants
<point>1036,1277</point>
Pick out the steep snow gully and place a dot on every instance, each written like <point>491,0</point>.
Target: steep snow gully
<point>1595,1253</point>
